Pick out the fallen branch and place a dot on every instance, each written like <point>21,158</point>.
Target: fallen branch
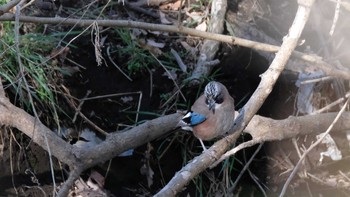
<point>76,158</point>
<point>210,47</point>
<point>260,129</point>
<point>7,7</point>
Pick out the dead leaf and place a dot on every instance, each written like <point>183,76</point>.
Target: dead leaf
<point>84,189</point>
<point>163,19</point>
<point>158,33</point>
<point>97,178</point>
<point>153,43</point>
<point>87,139</point>
<point>202,26</point>
<point>196,16</point>
<point>176,5</point>
<point>171,6</point>
<point>138,32</point>
<point>154,50</point>
<point>171,74</point>
<point>60,53</point>
<point>126,99</point>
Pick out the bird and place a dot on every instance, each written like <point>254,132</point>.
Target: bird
<point>212,114</point>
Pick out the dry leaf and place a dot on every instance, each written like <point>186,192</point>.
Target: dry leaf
<point>60,53</point>
<point>171,6</point>
<point>158,33</point>
<point>202,26</point>
<point>171,74</point>
<point>154,50</point>
<point>332,150</point>
<point>126,99</point>
<point>97,178</point>
<point>88,139</point>
<point>151,42</point>
<point>196,16</point>
<point>163,19</point>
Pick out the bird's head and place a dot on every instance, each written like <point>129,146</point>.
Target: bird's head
<point>214,95</point>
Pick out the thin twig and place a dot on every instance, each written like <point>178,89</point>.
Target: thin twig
<point>109,95</point>
<point>246,166</point>
<point>27,4</point>
<point>141,10</point>
<point>344,175</point>
<point>170,76</point>
<point>336,16</point>
<point>235,150</point>
<point>285,186</point>
<point>138,107</point>
<point>332,104</point>
<point>256,180</point>
<point>114,64</point>
<point>316,80</point>
<point>150,82</point>
<point>11,167</point>
<point>86,9</point>
<point>2,91</point>
<point>7,7</point>
<point>91,123</point>
<point>72,104</point>
<point>80,105</point>
<point>173,95</point>
<point>22,72</point>
<point>119,94</point>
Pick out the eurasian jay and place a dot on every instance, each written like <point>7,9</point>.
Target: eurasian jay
<point>212,114</point>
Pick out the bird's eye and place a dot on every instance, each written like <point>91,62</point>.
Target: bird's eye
<point>219,99</point>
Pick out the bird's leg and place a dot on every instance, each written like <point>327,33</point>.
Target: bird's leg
<point>211,154</point>
<point>204,148</point>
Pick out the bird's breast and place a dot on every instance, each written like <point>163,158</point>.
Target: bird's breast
<point>205,131</point>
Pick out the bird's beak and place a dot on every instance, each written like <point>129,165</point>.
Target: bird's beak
<point>211,105</point>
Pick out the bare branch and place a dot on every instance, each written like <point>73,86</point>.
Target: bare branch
<point>312,59</point>
<point>2,92</point>
<point>115,144</point>
<point>5,8</point>
<point>260,129</point>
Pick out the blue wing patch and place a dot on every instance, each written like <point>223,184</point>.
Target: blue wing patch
<point>193,118</point>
